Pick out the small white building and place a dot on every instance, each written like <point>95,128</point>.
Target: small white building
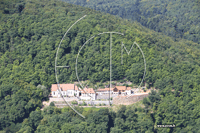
<point>128,91</point>
<point>88,94</point>
<point>104,91</point>
<point>116,90</point>
<point>66,90</point>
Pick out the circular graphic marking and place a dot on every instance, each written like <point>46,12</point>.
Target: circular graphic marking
<point>111,60</point>
<point>65,67</point>
<point>123,46</point>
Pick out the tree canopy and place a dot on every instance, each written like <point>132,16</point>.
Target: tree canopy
<point>30,33</point>
<point>175,18</point>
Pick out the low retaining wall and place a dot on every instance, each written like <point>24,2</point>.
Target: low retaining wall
<point>126,100</point>
<point>96,103</point>
<point>106,96</point>
<point>61,99</point>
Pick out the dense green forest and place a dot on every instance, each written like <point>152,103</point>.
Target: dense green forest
<point>175,18</point>
<point>30,32</point>
<point>55,120</point>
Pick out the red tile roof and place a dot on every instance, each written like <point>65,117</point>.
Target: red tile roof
<point>64,87</point>
<point>106,89</point>
<point>128,88</point>
<point>88,90</point>
<point>121,87</point>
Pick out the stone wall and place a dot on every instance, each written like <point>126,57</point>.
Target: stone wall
<point>95,102</point>
<point>106,96</point>
<point>126,100</point>
<point>51,99</point>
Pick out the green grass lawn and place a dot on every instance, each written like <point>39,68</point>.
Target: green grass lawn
<point>92,108</point>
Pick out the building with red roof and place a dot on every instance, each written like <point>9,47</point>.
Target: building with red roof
<point>71,90</point>
<point>88,94</point>
<point>116,90</point>
<point>65,89</point>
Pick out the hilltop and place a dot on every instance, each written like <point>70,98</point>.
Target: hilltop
<point>175,18</point>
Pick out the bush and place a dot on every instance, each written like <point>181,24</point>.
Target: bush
<point>121,81</point>
<point>52,104</point>
<point>74,102</point>
<point>84,104</point>
<point>20,7</point>
<point>125,85</point>
<point>139,109</point>
<point>103,104</point>
<point>6,11</point>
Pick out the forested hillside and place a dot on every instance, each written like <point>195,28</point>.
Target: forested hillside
<point>176,18</point>
<point>30,32</point>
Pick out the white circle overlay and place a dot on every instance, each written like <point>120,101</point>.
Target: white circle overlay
<point>77,60</point>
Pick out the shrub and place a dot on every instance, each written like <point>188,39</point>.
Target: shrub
<point>52,104</point>
<point>6,11</point>
<point>74,102</point>
<point>84,104</point>
<point>139,109</point>
<point>103,104</point>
